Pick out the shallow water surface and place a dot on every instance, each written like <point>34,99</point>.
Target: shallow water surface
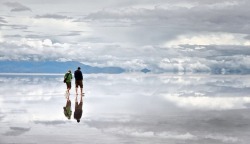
<point>126,108</point>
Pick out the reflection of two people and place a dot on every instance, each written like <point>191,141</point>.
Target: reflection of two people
<point>78,109</point>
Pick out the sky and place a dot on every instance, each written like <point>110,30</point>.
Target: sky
<point>161,35</point>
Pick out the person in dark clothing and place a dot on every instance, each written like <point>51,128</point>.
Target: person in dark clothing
<point>78,110</point>
<point>78,80</point>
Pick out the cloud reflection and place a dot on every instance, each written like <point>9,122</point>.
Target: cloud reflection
<point>16,131</point>
<point>54,122</point>
<point>213,103</point>
<point>146,107</point>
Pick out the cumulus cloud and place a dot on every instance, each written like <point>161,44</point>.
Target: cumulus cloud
<point>1,38</point>
<point>1,117</point>
<point>219,66</point>
<point>169,24</point>
<point>16,131</point>
<point>216,18</point>
<point>215,59</point>
<point>184,64</point>
<point>208,103</point>
<point>55,122</point>
<point>31,48</point>
<point>209,39</point>
<point>17,7</point>
<point>1,100</point>
<point>26,92</point>
<point>150,134</point>
<point>72,33</point>
<point>53,16</point>
<point>2,20</point>
<point>224,139</point>
<point>174,36</point>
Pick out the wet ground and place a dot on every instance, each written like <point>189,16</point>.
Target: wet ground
<point>126,108</point>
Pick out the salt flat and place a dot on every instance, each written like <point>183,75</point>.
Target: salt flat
<point>127,108</point>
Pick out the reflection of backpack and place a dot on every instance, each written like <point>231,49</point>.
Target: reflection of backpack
<point>65,78</point>
<point>67,112</point>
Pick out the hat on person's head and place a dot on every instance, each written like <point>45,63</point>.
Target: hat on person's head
<point>69,71</point>
<point>78,68</point>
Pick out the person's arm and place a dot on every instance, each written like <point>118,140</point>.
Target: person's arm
<point>81,76</point>
<point>71,77</point>
<point>65,75</point>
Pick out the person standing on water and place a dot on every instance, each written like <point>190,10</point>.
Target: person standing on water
<point>78,80</point>
<point>67,79</point>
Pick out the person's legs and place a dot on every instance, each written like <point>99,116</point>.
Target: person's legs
<point>68,92</point>
<point>81,99</point>
<point>68,87</point>
<point>81,86</point>
<point>76,87</point>
<point>76,99</point>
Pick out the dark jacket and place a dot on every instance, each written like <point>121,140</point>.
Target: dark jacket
<point>78,114</point>
<point>78,75</point>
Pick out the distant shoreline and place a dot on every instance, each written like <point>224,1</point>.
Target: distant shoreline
<point>130,73</point>
<point>26,74</point>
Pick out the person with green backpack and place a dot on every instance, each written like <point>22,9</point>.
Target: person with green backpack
<point>67,79</point>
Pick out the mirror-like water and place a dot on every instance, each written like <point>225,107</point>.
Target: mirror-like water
<point>126,108</point>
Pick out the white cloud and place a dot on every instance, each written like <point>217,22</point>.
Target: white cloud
<point>47,26</point>
<point>36,98</point>
<point>1,100</point>
<point>208,103</point>
<point>184,64</point>
<point>198,67</point>
<point>209,39</point>
<point>184,136</point>
<point>47,42</point>
<point>29,48</point>
<point>224,4</point>
<point>37,43</point>
<point>63,59</point>
<point>132,34</point>
<point>225,139</point>
<point>150,134</point>
<point>1,38</point>
<point>135,64</point>
<point>17,7</point>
